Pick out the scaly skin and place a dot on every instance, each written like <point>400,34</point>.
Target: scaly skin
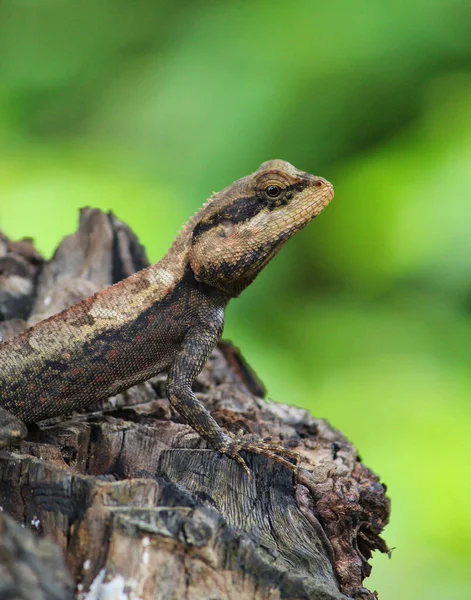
<point>166,317</point>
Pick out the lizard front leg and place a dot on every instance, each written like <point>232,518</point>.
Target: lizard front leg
<point>187,364</point>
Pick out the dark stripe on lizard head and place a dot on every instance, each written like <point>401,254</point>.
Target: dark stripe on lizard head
<point>247,207</point>
<point>285,195</point>
<point>241,209</point>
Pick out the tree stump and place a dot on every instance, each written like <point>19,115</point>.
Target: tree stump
<point>139,505</point>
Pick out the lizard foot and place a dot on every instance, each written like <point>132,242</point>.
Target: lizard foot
<point>265,447</point>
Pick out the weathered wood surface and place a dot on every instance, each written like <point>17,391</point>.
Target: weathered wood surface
<point>138,504</point>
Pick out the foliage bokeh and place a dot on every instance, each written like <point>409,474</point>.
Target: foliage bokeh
<point>365,318</point>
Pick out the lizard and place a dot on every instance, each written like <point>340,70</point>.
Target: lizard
<point>166,317</point>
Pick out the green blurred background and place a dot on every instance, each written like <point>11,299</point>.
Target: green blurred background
<point>365,317</point>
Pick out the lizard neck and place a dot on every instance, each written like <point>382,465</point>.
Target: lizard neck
<point>174,274</point>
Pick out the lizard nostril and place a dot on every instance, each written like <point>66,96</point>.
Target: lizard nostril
<point>318,183</point>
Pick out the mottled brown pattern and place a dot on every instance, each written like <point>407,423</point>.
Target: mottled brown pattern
<point>168,316</point>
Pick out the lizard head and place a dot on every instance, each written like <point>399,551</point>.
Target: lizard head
<point>244,226</point>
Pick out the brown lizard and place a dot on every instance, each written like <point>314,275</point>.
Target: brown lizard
<point>167,317</point>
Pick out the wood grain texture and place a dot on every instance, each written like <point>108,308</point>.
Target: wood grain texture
<point>31,567</point>
<point>140,505</point>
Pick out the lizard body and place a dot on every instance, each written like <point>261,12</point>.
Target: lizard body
<point>168,316</point>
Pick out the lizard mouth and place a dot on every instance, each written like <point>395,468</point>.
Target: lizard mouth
<point>323,199</point>
<point>328,193</point>
<point>314,204</point>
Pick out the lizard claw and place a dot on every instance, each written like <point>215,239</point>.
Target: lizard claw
<point>238,458</point>
<point>268,448</point>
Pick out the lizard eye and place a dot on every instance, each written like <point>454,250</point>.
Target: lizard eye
<point>273,191</point>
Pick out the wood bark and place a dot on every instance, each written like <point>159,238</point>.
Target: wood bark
<point>137,503</point>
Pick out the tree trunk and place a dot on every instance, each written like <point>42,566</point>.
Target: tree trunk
<point>139,505</point>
